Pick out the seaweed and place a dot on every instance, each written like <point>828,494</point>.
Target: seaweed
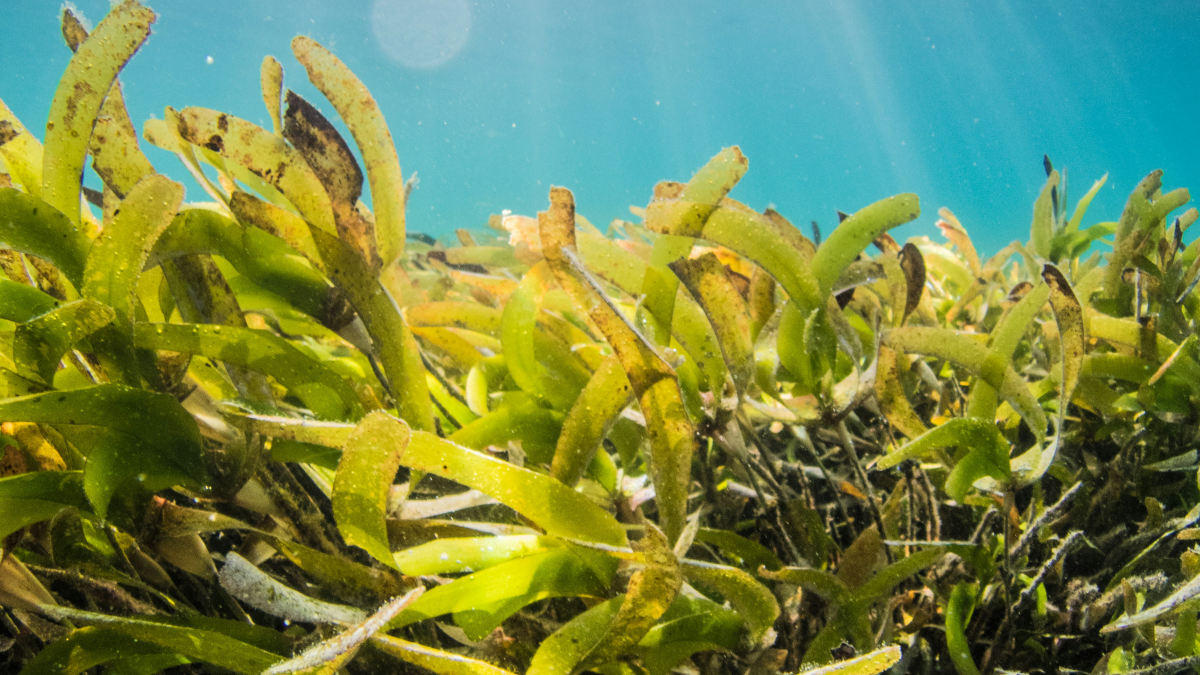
<point>259,433</point>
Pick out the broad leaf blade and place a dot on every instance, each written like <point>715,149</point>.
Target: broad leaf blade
<point>262,154</point>
<point>370,459</point>
<point>554,507</point>
<point>517,418</point>
<point>824,584</point>
<point>164,436</point>
<point>36,496</point>
<point>21,152</point>
<point>348,580</point>
<point>468,554</point>
<point>566,648</point>
<point>673,307</point>
<point>434,660</point>
<point>322,389</point>
<point>113,145</point>
<point>1068,314</point>
<point>987,454</point>
<point>1041,230</point>
<point>976,359</point>
<point>270,78</point>
<point>771,243</point>
<point>197,644</point>
<point>753,602</point>
<point>116,259</point>
<point>362,116</point>
<point>953,230</point>
<point>693,624</point>
<point>650,593</point>
<point>482,600</point>
<point>77,101</point>
<point>324,150</point>
<point>21,302</point>
<point>517,327</point>
<point>590,419</point>
<point>871,663</point>
<point>1003,341</point>
<point>33,226</point>
<point>92,646</point>
<point>958,615</point>
<point>39,344</point>
<point>683,210</point>
<point>889,392</point>
<point>393,342</point>
<point>854,234</point>
<point>1084,202</point>
<point>654,382</point>
<point>262,257</point>
<point>706,279</point>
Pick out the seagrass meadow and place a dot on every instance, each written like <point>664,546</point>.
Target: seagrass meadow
<point>265,429</point>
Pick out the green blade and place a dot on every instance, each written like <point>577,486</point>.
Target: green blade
<point>77,101</point>
<point>370,459</point>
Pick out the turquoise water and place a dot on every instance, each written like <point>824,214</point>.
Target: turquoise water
<point>836,103</point>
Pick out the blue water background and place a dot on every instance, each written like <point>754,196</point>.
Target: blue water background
<point>837,103</point>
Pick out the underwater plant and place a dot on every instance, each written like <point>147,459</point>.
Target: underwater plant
<point>276,432</point>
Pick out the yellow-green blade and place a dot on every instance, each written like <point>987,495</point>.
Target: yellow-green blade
<point>77,101</point>
<point>358,109</point>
